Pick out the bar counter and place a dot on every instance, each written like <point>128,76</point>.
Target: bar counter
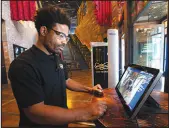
<point>142,120</point>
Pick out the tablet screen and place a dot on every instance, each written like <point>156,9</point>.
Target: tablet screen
<point>133,85</point>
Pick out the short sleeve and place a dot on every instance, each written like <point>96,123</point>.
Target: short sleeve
<point>25,84</point>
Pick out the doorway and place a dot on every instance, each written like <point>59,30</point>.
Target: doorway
<point>149,48</point>
<point>4,80</point>
<point>3,68</point>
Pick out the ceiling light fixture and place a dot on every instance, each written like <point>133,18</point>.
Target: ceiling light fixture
<point>59,1</point>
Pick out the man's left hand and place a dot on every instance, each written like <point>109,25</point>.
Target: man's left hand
<point>97,87</point>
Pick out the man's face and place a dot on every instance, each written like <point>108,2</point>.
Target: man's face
<point>55,40</point>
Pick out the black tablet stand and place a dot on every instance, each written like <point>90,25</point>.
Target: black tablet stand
<point>151,106</point>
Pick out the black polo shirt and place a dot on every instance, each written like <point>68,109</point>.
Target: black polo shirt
<point>36,77</point>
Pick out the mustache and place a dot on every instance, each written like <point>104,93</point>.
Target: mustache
<point>61,45</point>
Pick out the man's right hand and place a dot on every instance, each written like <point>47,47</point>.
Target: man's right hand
<point>54,115</point>
<point>95,110</point>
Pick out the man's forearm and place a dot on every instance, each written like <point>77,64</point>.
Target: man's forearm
<point>76,86</point>
<point>53,115</point>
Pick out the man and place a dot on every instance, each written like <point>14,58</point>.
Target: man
<point>39,80</point>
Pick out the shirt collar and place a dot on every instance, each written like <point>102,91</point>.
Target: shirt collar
<point>42,55</point>
<point>39,53</point>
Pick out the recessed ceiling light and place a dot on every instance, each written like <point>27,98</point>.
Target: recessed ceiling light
<point>59,1</point>
<point>156,17</point>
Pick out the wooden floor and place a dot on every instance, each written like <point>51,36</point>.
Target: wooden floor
<point>10,112</point>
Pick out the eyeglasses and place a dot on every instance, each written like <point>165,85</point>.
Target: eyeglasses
<point>61,35</point>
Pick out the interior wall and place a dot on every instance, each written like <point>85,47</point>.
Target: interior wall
<point>22,33</point>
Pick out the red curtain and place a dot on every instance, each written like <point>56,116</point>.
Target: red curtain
<point>22,10</point>
<point>103,12</point>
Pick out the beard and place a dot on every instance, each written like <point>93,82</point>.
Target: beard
<point>57,49</point>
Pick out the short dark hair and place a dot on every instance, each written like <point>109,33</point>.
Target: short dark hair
<point>49,16</point>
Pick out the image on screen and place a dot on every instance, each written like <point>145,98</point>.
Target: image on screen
<point>133,85</point>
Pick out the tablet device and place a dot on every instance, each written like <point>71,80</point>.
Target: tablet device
<point>135,86</point>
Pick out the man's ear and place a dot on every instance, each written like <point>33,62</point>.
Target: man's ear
<point>43,30</point>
